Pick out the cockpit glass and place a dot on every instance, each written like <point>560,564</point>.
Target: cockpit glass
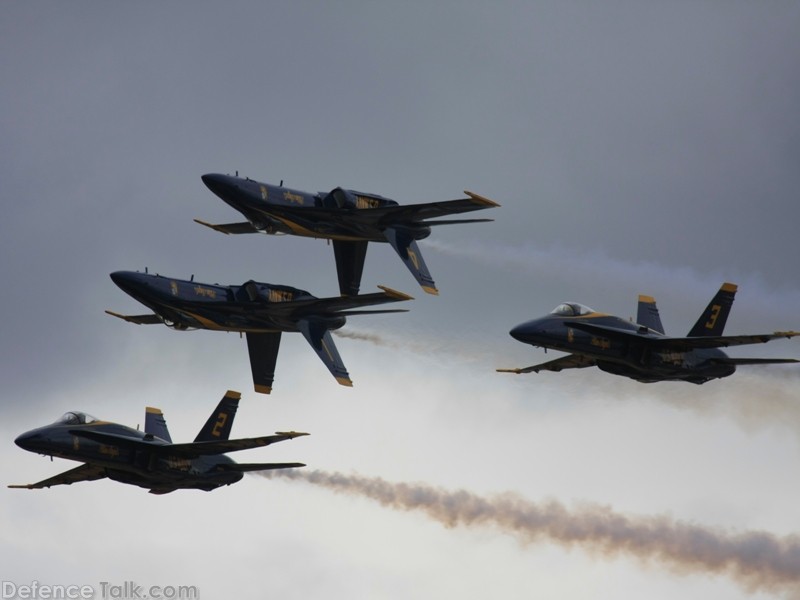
<point>75,417</point>
<point>571,309</point>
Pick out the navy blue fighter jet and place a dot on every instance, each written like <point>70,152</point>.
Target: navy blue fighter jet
<point>641,350</point>
<point>350,219</point>
<point>260,310</point>
<point>148,458</point>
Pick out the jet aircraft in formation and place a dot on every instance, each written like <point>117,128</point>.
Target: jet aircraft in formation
<point>148,458</point>
<point>641,350</point>
<point>260,310</point>
<point>350,219</point>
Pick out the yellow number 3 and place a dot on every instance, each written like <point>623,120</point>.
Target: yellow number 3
<point>714,314</point>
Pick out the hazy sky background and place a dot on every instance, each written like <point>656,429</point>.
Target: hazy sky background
<point>635,148</point>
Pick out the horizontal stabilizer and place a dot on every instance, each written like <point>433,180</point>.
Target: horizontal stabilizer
<point>754,361</point>
<point>454,222</point>
<point>386,311</point>
<point>227,228</point>
<point>138,319</point>
<point>571,361</point>
<point>245,467</point>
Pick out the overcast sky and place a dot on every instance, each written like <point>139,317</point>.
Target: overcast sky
<point>634,147</point>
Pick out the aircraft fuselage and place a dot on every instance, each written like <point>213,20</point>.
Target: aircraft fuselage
<point>341,214</point>
<point>621,357</point>
<point>144,468</point>
<point>251,308</point>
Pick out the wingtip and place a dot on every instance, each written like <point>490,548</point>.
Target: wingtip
<point>429,289</point>
<point>263,389</point>
<point>345,381</point>
<point>210,226</point>
<point>394,293</point>
<point>292,434</point>
<point>515,371</point>
<point>481,199</point>
<point>234,395</point>
<point>729,287</point>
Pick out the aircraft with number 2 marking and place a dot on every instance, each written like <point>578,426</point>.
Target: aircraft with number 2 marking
<point>641,350</point>
<point>148,458</point>
<point>261,311</point>
<point>350,219</point>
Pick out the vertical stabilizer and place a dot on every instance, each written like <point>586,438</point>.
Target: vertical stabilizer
<point>647,314</point>
<point>156,424</point>
<point>218,426</point>
<point>712,321</point>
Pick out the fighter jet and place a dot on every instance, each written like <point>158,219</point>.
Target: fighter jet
<point>148,458</point>
<point>350,219</point>
<point>261,310</point>
<point>641,350</point>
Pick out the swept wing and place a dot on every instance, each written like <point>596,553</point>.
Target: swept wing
<point>571,361</point>
<point>82,473</point>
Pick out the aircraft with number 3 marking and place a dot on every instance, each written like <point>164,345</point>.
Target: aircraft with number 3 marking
<point>350,219</point>
<point>261,311</point>
<point>641,350</point>
<point>148,458</point>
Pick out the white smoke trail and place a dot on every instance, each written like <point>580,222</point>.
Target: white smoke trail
<point>598,270</point>
<point>758,561</point>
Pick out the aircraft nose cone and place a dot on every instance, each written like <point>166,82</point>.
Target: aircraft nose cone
<point>219,184</point>
<point>525,332</point>
<point>126,280</point>
<point>30,440</point>
<point>518,332</point>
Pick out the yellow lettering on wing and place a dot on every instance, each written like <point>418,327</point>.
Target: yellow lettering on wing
<point>290,197</point>
<point>601,343</point>
<point>263,192</point>
<point>174,462</point>
<point>199,290</point>
<point>112,451</point>
<point>280,296</point>
<point>364,202</point>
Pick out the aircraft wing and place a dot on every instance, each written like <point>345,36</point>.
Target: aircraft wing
<point>680,343</point>
<point>571,361</point>
<point>226,228</point>
<point>245,467</point>
<point>152,319</point>
<point>193,449</point>
<point>319,306</point>
<point>414,213</point>
<point>85,472</point>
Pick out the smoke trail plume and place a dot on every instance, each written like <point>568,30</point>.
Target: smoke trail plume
<point>758,561</point>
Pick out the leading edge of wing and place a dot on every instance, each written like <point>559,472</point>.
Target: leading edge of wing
<point>85,472</point>
<point>152,319</point>
<point>571,361</point>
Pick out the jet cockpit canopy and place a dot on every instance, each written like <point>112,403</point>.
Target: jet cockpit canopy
<point>76,417</point>
<point>571,309</point>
